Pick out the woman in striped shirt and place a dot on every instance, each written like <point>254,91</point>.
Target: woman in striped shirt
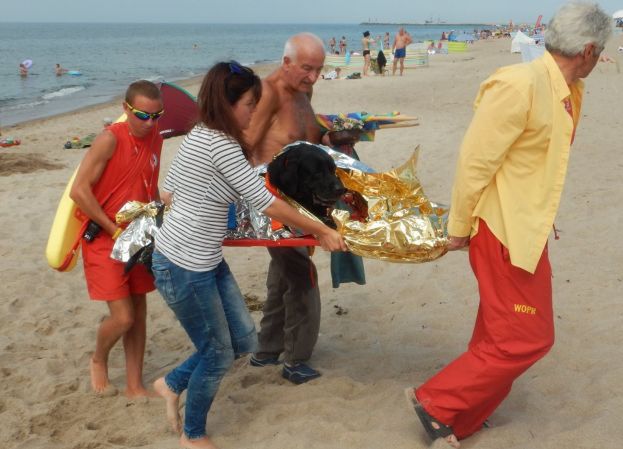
<point>209,172</point>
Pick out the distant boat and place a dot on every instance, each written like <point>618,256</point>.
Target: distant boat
<point>431,22</point>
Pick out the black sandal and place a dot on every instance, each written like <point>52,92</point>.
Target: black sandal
<point>434,428</point>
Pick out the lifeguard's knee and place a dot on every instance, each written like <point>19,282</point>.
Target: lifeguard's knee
<point>124,321</point>
<point>122,315</point>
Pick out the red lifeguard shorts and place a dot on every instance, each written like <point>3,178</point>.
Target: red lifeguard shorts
<point>105,278</point>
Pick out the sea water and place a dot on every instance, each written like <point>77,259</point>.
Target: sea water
<point>110,56</point>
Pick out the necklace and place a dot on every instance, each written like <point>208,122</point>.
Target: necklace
<point>153,162</point>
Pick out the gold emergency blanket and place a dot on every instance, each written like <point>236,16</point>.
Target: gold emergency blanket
<point>139,233</point>
<point>402,224</point>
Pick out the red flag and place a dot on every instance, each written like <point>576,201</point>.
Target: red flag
<point>538,22</point>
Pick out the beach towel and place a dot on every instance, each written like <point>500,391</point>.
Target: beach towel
<point>77,142</point>
<point>371,122</point>
<point>346,266</point>
<point>9,142</point>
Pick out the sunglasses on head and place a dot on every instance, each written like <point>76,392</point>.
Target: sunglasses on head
<point>236,68</point>
<point>142,115</point>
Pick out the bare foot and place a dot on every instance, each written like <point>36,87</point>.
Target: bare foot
<point>99,378</point>
<point>141,392</point>
<point>172,402</point>
<point>197,443</point>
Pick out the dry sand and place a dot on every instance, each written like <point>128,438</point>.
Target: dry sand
<point>399,329</point>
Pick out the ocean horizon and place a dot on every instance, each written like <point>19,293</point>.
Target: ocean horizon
<point>109,56</point>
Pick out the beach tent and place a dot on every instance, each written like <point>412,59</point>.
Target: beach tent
<point>417,56</point>
<point>519,38</point>
<point>531,51</point>
<point>180,111</point>
<point>450,47</point>
<point>348,64</point>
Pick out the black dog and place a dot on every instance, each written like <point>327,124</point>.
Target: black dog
<point>306,174</point>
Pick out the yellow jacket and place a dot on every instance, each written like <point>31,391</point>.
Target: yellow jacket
<point>513,159</point>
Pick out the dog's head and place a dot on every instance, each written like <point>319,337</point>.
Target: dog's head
<point>306,174</point>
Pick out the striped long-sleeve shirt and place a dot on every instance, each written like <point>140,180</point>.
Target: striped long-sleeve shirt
<point>208,173</point>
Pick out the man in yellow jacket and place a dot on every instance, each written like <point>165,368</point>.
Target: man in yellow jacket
<point>509,179</point>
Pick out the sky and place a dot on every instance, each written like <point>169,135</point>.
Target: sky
<point>282,11</point>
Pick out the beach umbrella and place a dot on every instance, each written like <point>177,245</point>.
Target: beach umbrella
<point>618,14</point>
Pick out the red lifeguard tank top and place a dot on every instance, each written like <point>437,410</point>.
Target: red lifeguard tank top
<point>142,153</point>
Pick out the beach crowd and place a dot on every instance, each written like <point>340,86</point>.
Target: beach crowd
<point>376,51</point>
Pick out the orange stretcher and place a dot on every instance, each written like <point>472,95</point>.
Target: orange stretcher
<point>295,241</point>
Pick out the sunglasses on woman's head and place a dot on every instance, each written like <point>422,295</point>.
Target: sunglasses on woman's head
<point>236,68</point>
<point>142,115</point>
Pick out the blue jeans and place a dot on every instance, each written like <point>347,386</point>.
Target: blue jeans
<point>211,309</point>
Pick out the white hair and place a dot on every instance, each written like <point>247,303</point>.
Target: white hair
<point>293,45</point>
<point>574,26</point>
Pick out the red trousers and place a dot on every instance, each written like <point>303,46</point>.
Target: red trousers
<point>514,329</point>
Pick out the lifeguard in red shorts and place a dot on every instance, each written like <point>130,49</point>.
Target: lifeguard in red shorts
<point>509,179</point>
<point>122,165</point>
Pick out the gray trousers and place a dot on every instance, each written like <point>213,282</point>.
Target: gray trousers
<point>291,314</point>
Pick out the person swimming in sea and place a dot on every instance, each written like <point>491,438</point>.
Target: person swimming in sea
<point>60,70</point>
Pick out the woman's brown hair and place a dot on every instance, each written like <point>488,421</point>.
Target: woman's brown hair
<point>224,84</point>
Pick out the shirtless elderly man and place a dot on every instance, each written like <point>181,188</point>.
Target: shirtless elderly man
<point>291,315</point>
<point>399,49</point>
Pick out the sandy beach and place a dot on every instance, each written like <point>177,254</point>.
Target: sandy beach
<point>402,327</point>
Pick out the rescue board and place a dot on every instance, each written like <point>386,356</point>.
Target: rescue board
<point>64,231</point>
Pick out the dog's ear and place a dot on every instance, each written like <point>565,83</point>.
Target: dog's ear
<point>283,173</point>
